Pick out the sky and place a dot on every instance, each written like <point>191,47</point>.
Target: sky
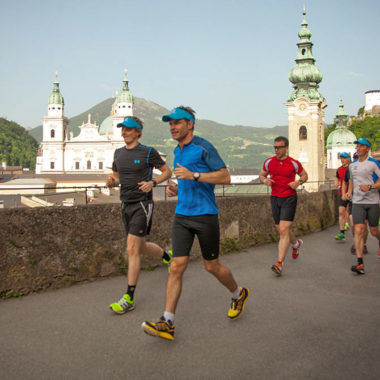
<point>228,59</point>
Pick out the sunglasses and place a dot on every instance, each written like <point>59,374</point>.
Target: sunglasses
<point>276,147</point>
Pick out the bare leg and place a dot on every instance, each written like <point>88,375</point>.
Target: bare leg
<point>375,232</point>
<point>285,238</point>
<point>222,273</point>
<point>342,217</point>
<point>135,247</point>
<point>174,284</point>
<point>359,239</point>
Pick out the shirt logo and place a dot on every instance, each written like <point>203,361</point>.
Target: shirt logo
<point>137,161</point>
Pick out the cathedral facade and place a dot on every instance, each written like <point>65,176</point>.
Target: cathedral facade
<point>89,152</point>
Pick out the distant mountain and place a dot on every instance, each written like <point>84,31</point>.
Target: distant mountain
<point>17,147</point>
<point>241,147</point>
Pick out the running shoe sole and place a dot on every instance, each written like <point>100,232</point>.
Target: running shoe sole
<point>276,270</point>
<point>123,311</point>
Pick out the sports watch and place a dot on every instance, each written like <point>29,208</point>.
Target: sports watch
<point>154,182</point>
<point>196,176</point>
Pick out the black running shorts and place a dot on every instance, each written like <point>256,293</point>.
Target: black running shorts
<point>137,217</point>
<point>283,208</point>
<point>342,203</point>
<point>206,227</point>
<point>363,212</point>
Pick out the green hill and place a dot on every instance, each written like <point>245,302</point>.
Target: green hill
<point>241,147</point>
<point>17,147</point>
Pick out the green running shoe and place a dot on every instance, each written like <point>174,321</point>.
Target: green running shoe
<point>123,305</point>
<point>340,237</point>
<point>168,262</point>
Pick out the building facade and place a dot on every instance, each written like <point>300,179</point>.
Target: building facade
<point>305,111</point>
<point>89,152</point>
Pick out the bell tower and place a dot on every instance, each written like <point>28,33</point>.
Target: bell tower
<point>305,111</point>
<point>121,108</point>
<point>54,132</point>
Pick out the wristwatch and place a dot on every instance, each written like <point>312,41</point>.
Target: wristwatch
<point>370,187</point>
<point>196,176</point>
<point>154,182</point>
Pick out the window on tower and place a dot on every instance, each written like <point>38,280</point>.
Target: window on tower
<point>100,165</point>
<point>88,165</point>
<point>303,51</point>
<point>76,165</point>
<point>303,133</point>
<point>52,165</point>
<point>52,133</point>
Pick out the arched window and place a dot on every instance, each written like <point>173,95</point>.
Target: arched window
<point>52,165</point>
<point>100,165</point>
<point>52,133</point>
<point>88,165</point>
<point>303,133</point>
<point>76,165</point>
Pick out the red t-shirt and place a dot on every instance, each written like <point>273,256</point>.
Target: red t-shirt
<point>282,172</point>
<point>340,173</point>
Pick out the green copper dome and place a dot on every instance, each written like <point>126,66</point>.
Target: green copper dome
<point>106,126</point>
<point>341,135</point>
<point>56,97</point>
<point>124,96</point>
<point>305,75</point>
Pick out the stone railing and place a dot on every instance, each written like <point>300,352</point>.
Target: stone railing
<point>59,246</point>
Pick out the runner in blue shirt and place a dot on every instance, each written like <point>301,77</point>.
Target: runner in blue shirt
<point>198,168</point>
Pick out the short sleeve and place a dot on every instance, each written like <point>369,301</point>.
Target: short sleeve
<point>212,159</point>
<point>114,167</point>
<point>155,159</point>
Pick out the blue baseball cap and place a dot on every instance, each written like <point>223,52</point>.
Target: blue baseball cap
<point>345,155</point>
<point>178,114</point>
<point>363,141</point>
<point>129,123</point>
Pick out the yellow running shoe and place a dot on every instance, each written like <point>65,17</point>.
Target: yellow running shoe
<point>163,329</point>
<point>237,306</point>
<point>123,305</point>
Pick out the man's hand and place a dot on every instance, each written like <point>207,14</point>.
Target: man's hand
<point>182,173</point>
<point>268,182</point>
<point>145,186</point>
<point>111,182</point>
<point>171,190</point>
<point>364,188</point>
<point>294,184</point>
<point>346,197</point>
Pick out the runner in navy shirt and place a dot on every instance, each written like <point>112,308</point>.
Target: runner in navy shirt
<point>132,168</point>
<point>279,172</point>
<point>198,168</point>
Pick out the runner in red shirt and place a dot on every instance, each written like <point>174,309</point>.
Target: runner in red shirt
<point>340,173</point>
<point>279,172</point>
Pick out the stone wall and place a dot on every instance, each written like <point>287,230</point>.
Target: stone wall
<point>59,246</point>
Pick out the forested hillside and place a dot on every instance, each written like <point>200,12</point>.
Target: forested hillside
<point>17,146</point>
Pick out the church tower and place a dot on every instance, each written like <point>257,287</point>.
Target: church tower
<point>54,132</point>
<point>121,108</point>
<point>305,112</point>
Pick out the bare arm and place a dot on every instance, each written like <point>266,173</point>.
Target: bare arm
<point>303,178</point>
<point>263,177</point>
<point>219,177</point>
<point>147,186</point>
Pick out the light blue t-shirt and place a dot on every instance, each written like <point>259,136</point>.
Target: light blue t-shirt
<point>197,198</point>
<point>365,172</point>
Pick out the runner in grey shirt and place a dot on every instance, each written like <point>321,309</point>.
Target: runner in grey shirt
<point>365,183</point>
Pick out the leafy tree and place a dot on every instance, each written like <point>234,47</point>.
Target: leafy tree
<point>369,128</point>
<point>17,146</point>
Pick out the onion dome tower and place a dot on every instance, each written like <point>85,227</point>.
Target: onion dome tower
<point>305,111</point>
<point>340,140</point>
<point>121,108</point>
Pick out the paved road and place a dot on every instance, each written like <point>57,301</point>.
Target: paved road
<point>317,321</point>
